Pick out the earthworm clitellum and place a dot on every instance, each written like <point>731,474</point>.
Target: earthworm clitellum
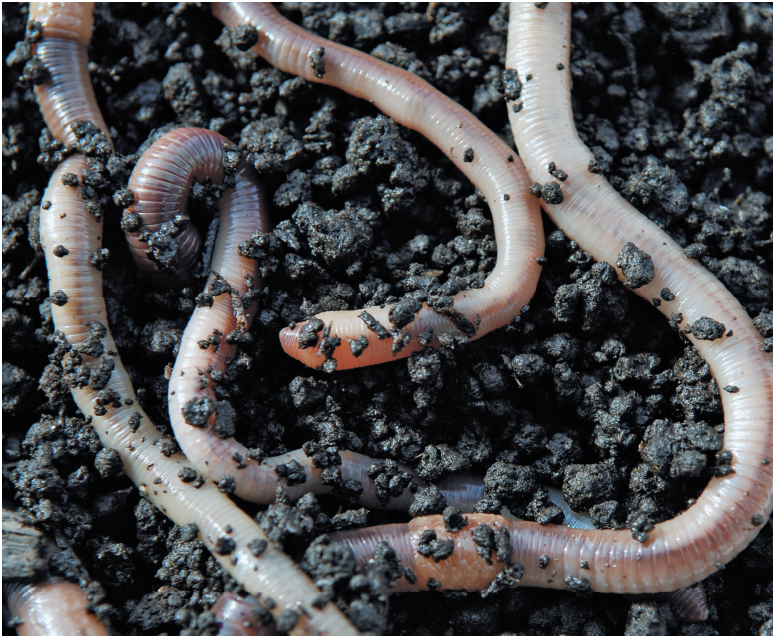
<point>732,508</point>
<point>71,236</point>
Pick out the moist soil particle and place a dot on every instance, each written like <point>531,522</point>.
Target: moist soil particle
<point>367,213</point>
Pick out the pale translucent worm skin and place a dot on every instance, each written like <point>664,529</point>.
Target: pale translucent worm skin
<point>415,104</point>
<point>257,482</point>
<point>233,614</point>
<point>574,520</point>
<point>126,428</point>
<point>52,607</point>
<point>67,95</point>
<point>724,519</point>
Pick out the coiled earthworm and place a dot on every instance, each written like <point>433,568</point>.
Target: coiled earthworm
<point>729,512</point>
<point>53,607</point>
<point>235,618</point>
<point>161,182</point>
<point>487,161</point>
<point>108,398</point>
<point>67,95</point>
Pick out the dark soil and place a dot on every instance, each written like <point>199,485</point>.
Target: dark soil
<point>590,390</point>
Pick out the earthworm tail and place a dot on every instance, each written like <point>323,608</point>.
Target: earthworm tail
<point>52,607</point>
<point>67,95</point>
<point>576,520</point>
<point>489,163</point>
<point>161,183</point>
<point>122,425</point>
<point>730,511</point>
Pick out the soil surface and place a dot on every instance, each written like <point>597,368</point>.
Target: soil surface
<point>590,390</point>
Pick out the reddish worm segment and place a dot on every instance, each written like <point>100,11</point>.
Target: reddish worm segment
<point>223,528</point>
<point>730,511</point>
<point>415,104</point>
<point>52,608</point>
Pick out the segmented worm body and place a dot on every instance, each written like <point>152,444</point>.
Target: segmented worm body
<point>489,163</point>
<point>67,95</point>
<point>108,397</point>
<point>52,607</point>
<point>730,511</point>
<point>161,182</point>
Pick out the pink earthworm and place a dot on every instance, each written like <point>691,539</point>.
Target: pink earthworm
<point>731,510</point>
<point>70,235</point>
<point>52,607</point>
<point>161,182</point>
<point>235,618</point>
<point>480,154</point>
<point>67,95</point>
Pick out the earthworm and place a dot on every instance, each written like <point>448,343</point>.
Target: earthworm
<point>730,511</point>
<point>121,424</point>
<point>732,508</point>
<point>67,95</point>
<point>487,161</point>
<point>161,182</point>
<point>52,607</point>
<point>109,400</point>
<point>235,618</point>
<point>538,557</point>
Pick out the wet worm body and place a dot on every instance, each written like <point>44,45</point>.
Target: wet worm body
<point>730,511</point>
<point>52,607</point>
<point>537,557</point>
<point>161,182</point>
<point>108,398</point>
<point>122,425</point>
<point>67,95</point>
<point>487,161</point>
